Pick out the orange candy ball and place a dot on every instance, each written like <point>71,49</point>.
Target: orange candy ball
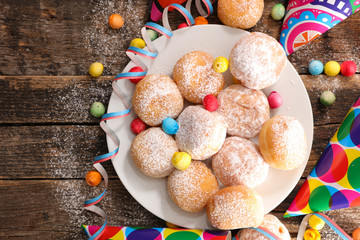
<point>201,20</point>
<point>93,178</point>
<point>356,234</point>
<point>116,21</point>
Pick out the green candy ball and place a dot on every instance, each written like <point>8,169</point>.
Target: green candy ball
<point>152,34</point>
<point>278,11</point>
<point>327,98</point>
<point>97,109</point>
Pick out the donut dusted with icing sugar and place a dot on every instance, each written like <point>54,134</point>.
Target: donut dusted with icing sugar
<point>157,97</point>
<point>282,142</point>
<point>152,151</point>
<point>239,162</point>
<point>235,207</point>
<point>270,223</point>
<point>257,60</point>
<point>244,110</point>
<point>201,133</point>
<point>240,13</point>
<point>196,78</point>
<point>191,189</point>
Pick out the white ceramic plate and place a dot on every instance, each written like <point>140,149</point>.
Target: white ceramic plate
<point>218,41</point>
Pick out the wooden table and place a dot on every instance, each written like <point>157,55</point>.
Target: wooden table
<point>48,138</point>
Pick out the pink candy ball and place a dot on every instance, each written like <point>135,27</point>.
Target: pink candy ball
<point>210,103</point>
<point>275,100</point>
<point>137,126</point>
<point>135,69</point>
<point>348,68</point>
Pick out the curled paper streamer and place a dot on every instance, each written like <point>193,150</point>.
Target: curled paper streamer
<point>129,233</point>
<point>339,231</point>
<point>305,20</point>
<point>334,182</point>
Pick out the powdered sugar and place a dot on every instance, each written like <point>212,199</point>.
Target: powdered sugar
<point>245,110</point>
<point>152,151</point>
<point>257,60</point>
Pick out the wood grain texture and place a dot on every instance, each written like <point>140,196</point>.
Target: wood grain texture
<point>50,37</point>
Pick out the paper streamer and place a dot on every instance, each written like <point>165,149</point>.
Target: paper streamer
<point>305,20</point>
<point>328,221</point>
<point>135,54</point>
<point>129,233</point>
<point>334,183</point>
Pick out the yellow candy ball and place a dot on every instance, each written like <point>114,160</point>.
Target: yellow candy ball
<point>220,64</point>
<point>137,42</point>
<point>316,223</point>
<point>171,225</point>
<point>96,69</point>
<point>181,160</point>
<point>312,234</point>
<point>332,68</point>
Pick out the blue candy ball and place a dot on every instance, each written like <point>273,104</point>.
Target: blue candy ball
<point>316,67</point>
<point>170,126</point>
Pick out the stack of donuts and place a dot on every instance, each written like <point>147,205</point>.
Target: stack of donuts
<point>224,183</point>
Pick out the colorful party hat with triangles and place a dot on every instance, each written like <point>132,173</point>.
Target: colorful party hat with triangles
<point>334,182</point>
<point>307,19</point>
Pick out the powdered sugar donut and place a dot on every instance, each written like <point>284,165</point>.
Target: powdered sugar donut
<point>157,97</point>
<point>196,78</point>
<point>152,151</point>
<point>240,13</point>
<point>239,162</point>
<point>235,207</point>
<point>191,189</point>
<point>282,142</point>
<point>244,109</point>
<point>257,60</point>
<point>201,133</point>
<point>270,223</point>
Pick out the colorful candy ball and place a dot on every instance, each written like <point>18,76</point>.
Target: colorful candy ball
<point>170,126</point>
<point>93,178</point>
<point>316,67</point>
<point>275,100</point>
<point>348,68</point>
<point>152,34</point>
<point>181,160</point>
<point>312,234</point>
<point>356,234</point>
<point>210,103</point>
<point>97,109</point>
<point>137,126</point>
<point>96,69</point>
<point>182,25</point>
<point>327,98</point>
<point>137,42</point>
<point>200,20</point>
<point>332,68</point>
<point>221,64</point>
<point>116,21</point>
<point>316,223</point>
<point>136,69</point>
<point>278,11</point>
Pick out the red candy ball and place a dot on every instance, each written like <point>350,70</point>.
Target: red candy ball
<point>182,25</point>
<point>137,126</point>
<point>348,68</point>
<point>210,103</point>
<point>275,100</point>
<point>136,69</point>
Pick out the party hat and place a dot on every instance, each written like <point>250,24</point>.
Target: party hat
<point>307,19</point>
<point>131,233</point>
<point>334,182</point>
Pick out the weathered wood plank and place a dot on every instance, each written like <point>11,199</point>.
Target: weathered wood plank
<point>67,99</point>
<point>67,151</point>
<point>61,214</point>
<point>37,36</point>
